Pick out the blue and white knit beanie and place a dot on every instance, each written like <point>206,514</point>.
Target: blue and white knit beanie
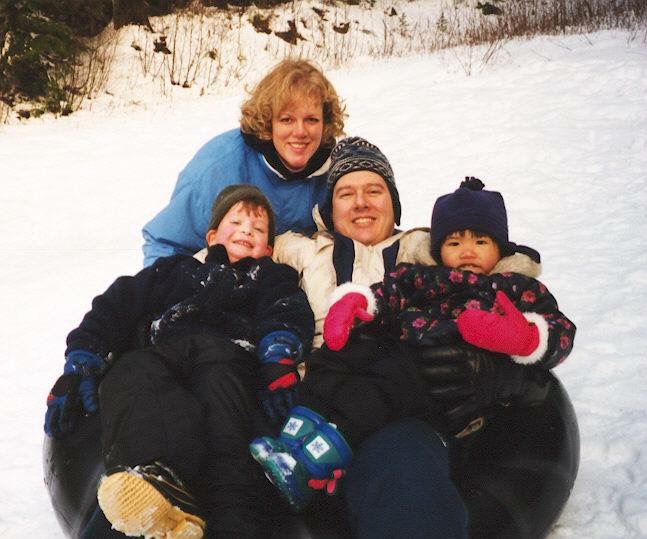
<point>353,154</point>
<point>471,207</point>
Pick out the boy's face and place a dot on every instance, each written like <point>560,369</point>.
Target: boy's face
<point>243,231</point>
<point>470,252</point>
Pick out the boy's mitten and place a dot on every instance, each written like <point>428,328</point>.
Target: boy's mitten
<point>74,391</point>
<point>504,329</point>
<point>341,318</point>
<point>280,352</point>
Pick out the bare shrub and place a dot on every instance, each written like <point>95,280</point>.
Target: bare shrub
<point>197,42</point>
<point>208,48</point>
<point>5,112</point>
<point>385,32</point>
<point>525,18</point>
<point>90,72</point>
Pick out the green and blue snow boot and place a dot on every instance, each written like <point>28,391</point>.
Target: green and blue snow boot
<point>308,455</point>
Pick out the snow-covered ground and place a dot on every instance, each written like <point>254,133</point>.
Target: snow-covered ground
<point>558,124</point>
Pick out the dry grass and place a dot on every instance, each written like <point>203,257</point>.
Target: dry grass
<point>92,70</point>
<point>527,18</point>
<point>333,34</point>
<point>203,49</point>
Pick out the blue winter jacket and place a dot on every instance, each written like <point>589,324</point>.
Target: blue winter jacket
<point>180,228</point>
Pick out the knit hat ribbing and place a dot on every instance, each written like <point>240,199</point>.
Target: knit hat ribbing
<point>354,154</point>
<point>231,195</point>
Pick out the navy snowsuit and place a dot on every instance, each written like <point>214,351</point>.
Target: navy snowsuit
<point>190,399</point>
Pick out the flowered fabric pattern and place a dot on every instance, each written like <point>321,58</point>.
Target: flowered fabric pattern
<point>420,304</point>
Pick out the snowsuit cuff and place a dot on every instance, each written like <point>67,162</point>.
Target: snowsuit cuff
<point>348,288</point>
<point>542,347</point>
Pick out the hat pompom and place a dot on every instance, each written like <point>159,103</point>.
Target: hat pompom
<point>472,183</point>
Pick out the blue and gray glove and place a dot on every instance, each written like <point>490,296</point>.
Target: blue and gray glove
<point>280,352</point>
<point>75,391</point>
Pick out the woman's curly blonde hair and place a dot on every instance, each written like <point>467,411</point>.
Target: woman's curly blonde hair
<point>288,80</point>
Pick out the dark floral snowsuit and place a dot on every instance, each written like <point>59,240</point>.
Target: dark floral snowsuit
<point>420,303</point>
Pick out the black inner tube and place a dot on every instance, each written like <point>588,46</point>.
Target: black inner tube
<point>515,474</point>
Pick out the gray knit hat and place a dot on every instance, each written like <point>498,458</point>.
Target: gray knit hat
<point>231,195</point>
<point>353,154</point>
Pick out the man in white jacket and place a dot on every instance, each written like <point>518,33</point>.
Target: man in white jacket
<point>358,244</point>
<point>357,241</point>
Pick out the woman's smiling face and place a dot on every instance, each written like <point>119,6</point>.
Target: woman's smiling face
<point>297,130</point>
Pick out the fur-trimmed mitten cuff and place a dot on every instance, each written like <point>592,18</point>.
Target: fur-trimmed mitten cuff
<point>504,329</point>
<point>350,303</point>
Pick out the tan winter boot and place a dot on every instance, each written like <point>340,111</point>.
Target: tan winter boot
<point>151,501</point>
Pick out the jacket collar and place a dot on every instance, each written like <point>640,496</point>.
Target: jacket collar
<point>515,263</point>
<point>216,254</point>
<point>318,164</point>
<point>318,219</point>
<point>518,263</point>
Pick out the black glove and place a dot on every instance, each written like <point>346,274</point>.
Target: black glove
<point>469,383</point>
<point>63,406</point>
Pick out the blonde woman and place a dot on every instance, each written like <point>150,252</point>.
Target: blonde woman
<point>287,130</point>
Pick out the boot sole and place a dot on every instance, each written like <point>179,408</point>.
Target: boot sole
<point>135,508</point>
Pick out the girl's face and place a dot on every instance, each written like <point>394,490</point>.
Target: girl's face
<point>243,231</point>
<point>297,130</point>
<point>468,251</point>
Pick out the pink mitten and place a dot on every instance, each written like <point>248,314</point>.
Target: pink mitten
<point>341,319</point>
<point>504,329</point>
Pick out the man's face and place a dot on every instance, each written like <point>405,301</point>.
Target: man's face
<point>243,231</point>
<point>362,208</point>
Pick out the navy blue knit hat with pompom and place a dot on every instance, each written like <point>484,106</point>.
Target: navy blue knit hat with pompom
<point>471,207</point>
<point>353,154</point>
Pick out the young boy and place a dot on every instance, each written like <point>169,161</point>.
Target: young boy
<point>177,409</point>
<point>484,292</point>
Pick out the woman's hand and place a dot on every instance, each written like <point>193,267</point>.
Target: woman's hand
<point>74,393</point>
<point>279,353</point>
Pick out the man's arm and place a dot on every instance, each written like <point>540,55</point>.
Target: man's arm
<point>468,383</point>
